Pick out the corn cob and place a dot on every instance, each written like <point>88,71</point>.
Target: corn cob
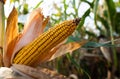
<point>39,48</point>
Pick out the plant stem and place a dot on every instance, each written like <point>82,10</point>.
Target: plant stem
<point>112,39</point>
<point>114,66</point>
<point>65,7</point>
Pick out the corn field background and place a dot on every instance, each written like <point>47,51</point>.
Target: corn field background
<point>99,58</point>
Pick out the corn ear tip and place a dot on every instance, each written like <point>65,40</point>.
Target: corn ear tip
<point>77,20</point>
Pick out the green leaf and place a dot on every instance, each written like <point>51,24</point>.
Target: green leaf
<point>95,44</point>
<point>73,61</point>
<point>83,18</point>
<point>74,4</point>
<point>111,9</point>
<point>95,12</point>
<point>25,8</point>
<point>105,23</point>
<point>90,33</point>
<point>73,39</point>
<point>38,4</point>
<point>86,1</point>
<point>95,7</point>
<point>117,23</point>
<point>75,8</point>
<point>65,9</point>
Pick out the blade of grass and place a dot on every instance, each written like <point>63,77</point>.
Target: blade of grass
<point>86,74</point>
<point>95,44</point>
<point>70,58</point>
<point>80,70</point>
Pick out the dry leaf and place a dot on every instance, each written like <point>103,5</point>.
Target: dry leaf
<point>36,73</point>
<point>32,72</point>
<point>33,28</point>
<point>2,27</point>
<point>10,36</point>
<point>108,74</point>
<point>65,48</point>
<point>9,73</point>
<point>105,51</point>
